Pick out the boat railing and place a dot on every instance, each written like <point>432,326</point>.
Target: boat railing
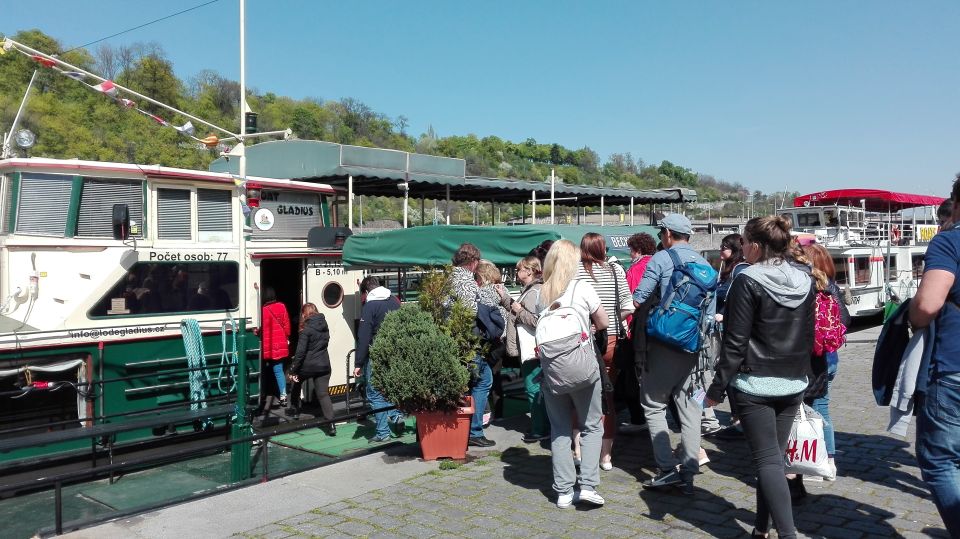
<point>261,446</point>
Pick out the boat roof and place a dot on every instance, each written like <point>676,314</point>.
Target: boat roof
<point>874,199</point>
<point>502,245</point>
<point>66,166</point>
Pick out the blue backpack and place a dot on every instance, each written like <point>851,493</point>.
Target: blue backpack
<point>678,319</point>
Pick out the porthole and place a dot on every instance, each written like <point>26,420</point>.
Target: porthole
<point>332,295</point>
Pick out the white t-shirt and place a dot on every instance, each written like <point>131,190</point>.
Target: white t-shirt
<point>582,296</point>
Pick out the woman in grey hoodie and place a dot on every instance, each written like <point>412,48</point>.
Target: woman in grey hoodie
<point>764,363</point>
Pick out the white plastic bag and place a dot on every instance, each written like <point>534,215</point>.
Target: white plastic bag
<point>806,450</point>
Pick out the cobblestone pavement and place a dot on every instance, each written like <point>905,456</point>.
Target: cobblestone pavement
<point>506,492</point>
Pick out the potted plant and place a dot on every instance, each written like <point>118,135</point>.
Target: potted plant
<point>420,369</point>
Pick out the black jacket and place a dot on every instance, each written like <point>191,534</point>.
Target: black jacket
<point>762,337</point>
<point>312,357</point>
<point>371,316</point>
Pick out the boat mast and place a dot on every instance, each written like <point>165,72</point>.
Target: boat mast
<point>240,453</point>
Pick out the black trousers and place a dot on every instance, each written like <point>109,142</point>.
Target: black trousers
<point>767,422</point>
<point>321,389</point>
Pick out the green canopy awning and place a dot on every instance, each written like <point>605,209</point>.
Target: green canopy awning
<point>502,245</point>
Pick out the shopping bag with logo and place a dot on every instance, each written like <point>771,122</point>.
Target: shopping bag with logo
<point>806,450</point>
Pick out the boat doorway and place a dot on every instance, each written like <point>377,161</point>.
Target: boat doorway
<point>285,276</point>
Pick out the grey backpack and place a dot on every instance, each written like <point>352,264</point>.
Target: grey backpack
<point>565,347</point>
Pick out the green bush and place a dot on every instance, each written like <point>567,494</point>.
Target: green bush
<point>455,320</point>
<point>418,365</point>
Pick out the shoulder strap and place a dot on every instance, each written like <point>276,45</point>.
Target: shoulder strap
<point>616,302</point>
<point>676,259</point>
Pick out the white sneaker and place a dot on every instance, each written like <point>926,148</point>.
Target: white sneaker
<point>565,500</point>
<point>588,496</point>
<point>606,466</point>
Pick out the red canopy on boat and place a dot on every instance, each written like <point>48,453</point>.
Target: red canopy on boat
<point>876,200</point>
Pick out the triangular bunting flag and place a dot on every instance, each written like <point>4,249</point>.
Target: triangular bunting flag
<point>47,62</point>
<point>210,141</point>
<point>186,129</point>
<point>127,103</point>
<point>106,87</point>
<point>75,75</point>
<point>157,119</point>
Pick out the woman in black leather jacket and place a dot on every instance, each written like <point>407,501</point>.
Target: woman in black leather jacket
<point>312,360</point>
<point>764,362</point>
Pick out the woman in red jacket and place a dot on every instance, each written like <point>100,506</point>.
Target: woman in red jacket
<point>275,339</point>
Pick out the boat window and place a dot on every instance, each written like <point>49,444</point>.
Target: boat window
<point>808,219</point>
<point>861,270</point>
<point>332,295</point>
<point>41,204</point>
<point>95,218</point>
<point>173,214</point>
<point>214,215</point>
<point>892,268</point>
<point>916,260</point>
<point>831,218</point>
<point>840,262</point>
<point>157,288</point>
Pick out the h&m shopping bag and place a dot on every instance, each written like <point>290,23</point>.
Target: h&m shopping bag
<point>806,451</point>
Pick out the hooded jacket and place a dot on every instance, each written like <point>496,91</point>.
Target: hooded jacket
<point>380,302</point>
<point>312,357</point>
<point>768,325</point>
<point>274,331</point>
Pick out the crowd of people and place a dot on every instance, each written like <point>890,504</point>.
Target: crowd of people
<point>761,350</point>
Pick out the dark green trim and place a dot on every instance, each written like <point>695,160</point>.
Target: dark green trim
<point>146,212</point>
<point>14,201</point>
<point>324,210</point>
<point>73,212</point>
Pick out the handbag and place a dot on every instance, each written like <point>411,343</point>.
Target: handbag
<point>806,450</point>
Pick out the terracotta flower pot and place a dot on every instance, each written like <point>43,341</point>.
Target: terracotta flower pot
<point>444,434</point>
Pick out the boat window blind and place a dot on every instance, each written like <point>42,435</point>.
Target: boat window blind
<point>173,214</point>
<point>43,203</point>
<point>96,206</point>
<point>214,211</point>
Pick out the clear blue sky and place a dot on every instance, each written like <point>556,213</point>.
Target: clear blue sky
<point>803,95</point>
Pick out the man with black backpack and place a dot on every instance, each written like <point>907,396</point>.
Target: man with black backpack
<point>674,343</point>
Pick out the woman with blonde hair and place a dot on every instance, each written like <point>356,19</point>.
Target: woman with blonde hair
<point>562,289</point>
<point>523,321</point>
<point>312,361</point>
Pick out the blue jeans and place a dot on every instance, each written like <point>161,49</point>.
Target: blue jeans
<point>938,446</point>
<point>277,367</point>
<point>377,400</point>
<point>480,394</point>
<point>822,406</point>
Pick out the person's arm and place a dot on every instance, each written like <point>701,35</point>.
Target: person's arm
<point>525,309</point>
<point>941,265</point>
<point>600,319</point>
<point>738,325</point>
<point>364,336</point>
<point>301,353</point>
<point>931,296</point>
